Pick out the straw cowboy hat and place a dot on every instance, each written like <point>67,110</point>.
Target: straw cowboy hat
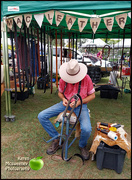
<point>72,71</point>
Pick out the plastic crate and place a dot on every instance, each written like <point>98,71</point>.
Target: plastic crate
<point>110,94</point>
<point>41,81</point>
<point>126,71</point>
<point>20,95</point>
<point>110,157</point>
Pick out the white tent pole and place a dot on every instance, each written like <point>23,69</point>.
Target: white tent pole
<point>5,74</point>
<point>8,115</point>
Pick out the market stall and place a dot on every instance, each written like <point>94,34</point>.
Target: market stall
<point>71,20</point>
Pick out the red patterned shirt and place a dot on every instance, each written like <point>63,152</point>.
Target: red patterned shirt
<point>71,89</point>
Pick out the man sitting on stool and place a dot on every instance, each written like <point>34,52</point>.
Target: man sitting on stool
<point>71,73</point>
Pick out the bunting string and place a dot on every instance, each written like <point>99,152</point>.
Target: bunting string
<point>70,20</point>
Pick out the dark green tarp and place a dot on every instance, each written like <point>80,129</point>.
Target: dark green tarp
<point>74,8</point>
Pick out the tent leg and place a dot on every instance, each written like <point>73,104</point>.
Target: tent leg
<point>8,116</point>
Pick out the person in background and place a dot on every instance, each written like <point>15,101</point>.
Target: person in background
<point>86,52</point>
<point>123,58</point>
<point>128,60</point>
<point>99,54</point>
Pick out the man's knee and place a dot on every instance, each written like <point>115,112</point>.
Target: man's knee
<point>41,116</point>
<point>86,130</point>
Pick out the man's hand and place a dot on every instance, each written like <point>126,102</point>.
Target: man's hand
<point>73,102</point>
<point>65,102</point>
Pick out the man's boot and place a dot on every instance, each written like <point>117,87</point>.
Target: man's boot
<point>54,147</point>
<point>85,153</point>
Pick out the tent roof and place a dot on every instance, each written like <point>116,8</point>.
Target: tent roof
<point>78,9</point>
<point>127,43</point>
<point>98,42</point>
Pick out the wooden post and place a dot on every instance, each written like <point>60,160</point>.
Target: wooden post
<point>76,47</point>
<point>73,48</point>
<point>69,48</point>
<point>56,62</point>
<point>122,54</point>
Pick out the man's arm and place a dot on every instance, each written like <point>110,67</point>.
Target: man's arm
<point>61,96</point>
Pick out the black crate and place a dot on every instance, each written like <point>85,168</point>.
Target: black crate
<point>41,81</point>
<point>20,95</point>
<point>110,157</point>
<point>110,94</point>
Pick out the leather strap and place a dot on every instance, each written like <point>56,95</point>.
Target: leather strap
<point>79,88</point>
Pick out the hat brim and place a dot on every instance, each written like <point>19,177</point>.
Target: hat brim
<point>72,79</point>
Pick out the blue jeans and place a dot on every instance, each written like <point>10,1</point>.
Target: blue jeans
<point>55,110</point>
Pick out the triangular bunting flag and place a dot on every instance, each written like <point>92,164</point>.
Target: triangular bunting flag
<point>121,20</point>
<point>129,14</point>
<point>9,23</point>
<point>94,22</point>
<point>28,18</point>
<point>109,22</point>
<point>39,18</point>
<point>18,21</point>
<point>58,17</point>
<point>70,21</point>
<point>49,15</point>
<point>82,23</point>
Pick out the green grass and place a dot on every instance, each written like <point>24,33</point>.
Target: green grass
<point>23,137</point>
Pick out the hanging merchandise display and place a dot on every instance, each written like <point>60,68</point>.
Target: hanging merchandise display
<point>14,71</point>
<point>21,51</point>
<point>43,80</point>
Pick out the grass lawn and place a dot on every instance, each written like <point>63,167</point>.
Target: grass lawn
<point>23,138</point>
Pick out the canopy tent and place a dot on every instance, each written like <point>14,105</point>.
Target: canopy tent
<point>127,44</point>
<point>84,12</point>
<point>77,9</point>
<point>97,42</point>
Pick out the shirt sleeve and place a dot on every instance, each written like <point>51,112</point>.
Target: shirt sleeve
<point>61,85</point>
<point>90,89</point>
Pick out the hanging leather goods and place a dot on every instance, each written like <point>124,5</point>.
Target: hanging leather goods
<point>25,55</point>
<point>41,54</point>
<point>45,79</point>
<point>51,61</point>
<point>30,66</point>
<point>35,62</point>
<point>11,36</point>
<point>22,63</point>
<point>39,67</point>
<point>32,59</point>
<point>56,60</point>
<point>18,65</point>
